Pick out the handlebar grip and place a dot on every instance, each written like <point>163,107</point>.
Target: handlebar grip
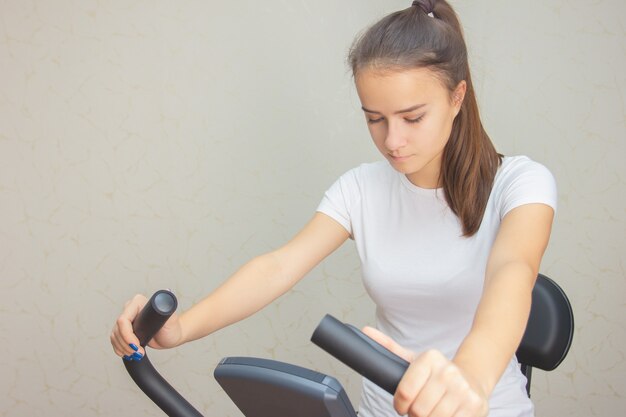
<point>360,353</point>
<point>153,316</point>
<point>148,322</point>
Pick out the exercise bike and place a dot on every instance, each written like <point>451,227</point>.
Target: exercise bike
<point>269,388</point>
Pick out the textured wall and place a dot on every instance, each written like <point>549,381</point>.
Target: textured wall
<point>161,144</point>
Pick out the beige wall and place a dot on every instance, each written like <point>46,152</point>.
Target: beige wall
<point>161,144</point>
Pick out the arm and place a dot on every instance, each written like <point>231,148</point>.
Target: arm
<point>503,311</point>
<point>252,287</point>
<point>263,279</point>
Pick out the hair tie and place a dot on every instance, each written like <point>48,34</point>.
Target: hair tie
<point>427,6</point>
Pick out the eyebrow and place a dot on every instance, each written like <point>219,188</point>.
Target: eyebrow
<point>417,106</point>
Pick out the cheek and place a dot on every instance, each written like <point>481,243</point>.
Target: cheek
<point>436,132</point>
<point>378,135</point>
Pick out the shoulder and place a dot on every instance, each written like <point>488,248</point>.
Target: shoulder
<point>361,182</point>
<point>520,165</point>
<point>371,170</point>
<point>342,201</point>
<point>368,175</point>
<point>520,180</point>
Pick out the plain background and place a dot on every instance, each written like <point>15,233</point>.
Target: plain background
<point>152,144</point>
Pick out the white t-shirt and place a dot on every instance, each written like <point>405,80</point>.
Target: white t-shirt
<point>424,276</point>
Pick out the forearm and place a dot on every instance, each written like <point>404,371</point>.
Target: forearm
<point>498,325</point>
<point>252,287</point>
<point>263,279</point>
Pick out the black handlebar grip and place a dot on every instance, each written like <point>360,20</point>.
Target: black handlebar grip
<point>360,353</point>
<point>150,319</point>
<point>153,316</point>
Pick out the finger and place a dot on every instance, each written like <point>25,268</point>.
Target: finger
<point>409,387</point>
<point>128,349</point>
<point>421,388</point>
<point>127,338</point>
<point>449,405</point>
<point>469,402</point>
<point>427,399</point>
<point>115,343</point>
<point>439,393</point>
<point>121,349</point>
<point>460,401</point>
<point>389,343</point>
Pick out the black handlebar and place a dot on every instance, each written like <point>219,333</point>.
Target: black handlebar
<point>359,352</point>
<point>345,342</point>
<point>147,323</point>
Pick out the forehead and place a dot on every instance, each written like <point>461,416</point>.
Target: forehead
<point>392,90</point>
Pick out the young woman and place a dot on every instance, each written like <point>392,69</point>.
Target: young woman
<point>449,232</point>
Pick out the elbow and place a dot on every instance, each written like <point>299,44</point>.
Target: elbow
<point>521,271</point>
<point>272,270</point>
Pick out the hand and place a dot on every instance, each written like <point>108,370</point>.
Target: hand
<point>125,342</point>
<point>433,386</point>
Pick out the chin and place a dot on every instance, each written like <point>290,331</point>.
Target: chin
<point>404,168</point>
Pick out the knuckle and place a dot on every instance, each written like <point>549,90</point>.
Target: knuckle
<point>432,356</point>
<point>463,385</point>
<point>450,371</point>
<point>432,353</point>
<point>121,321</point>
<point>402,395</point>
<point>415,410</point>
<point>137,299</point>
<point>474,403</point>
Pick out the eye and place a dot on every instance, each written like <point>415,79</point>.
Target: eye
<point>416,120</point>
<point>373,121</point>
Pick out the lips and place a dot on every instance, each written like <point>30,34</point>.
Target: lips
<point>399,158</point>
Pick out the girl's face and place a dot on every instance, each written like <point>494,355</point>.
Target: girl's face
<point>409,115</point>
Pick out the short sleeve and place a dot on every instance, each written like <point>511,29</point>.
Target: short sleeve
<point>525,181</point>
<point>339,200</point>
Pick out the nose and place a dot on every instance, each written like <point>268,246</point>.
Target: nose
<point>395,138</point>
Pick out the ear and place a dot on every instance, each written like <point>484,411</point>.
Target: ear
<point>458,95</point>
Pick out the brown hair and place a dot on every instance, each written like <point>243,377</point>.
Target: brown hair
<point>410,39</point>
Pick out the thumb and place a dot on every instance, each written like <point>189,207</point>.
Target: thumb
<point>389,343</point>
